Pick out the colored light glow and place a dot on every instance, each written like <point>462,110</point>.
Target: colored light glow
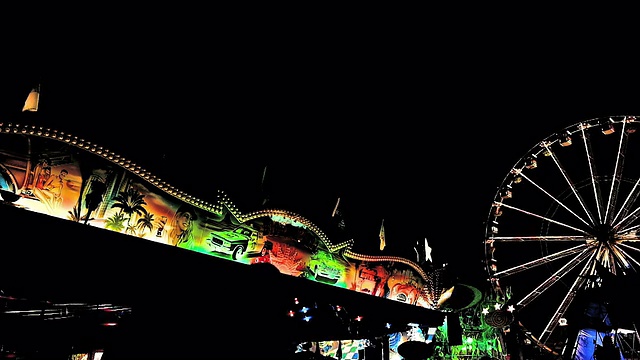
<point>322,266</point>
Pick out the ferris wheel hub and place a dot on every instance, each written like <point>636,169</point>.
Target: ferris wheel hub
<point>605,234</point>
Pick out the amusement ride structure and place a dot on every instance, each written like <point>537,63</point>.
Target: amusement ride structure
<point>561,229</point>
<point>53,173</point>
<point>562,238</point>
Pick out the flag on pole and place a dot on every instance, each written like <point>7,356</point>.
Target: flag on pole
<point>383,242</point>
<point>265,195</point>
<point>424,250</point>
<point>31,104</point>
<point>264,176</point>
<point>335,208</point>
<point>337,213</point>
<point>427,251</point>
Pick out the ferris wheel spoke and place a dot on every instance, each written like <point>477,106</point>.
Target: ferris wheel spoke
<point>595,183</point>
<point>584,253</point>
<point>547,238</point>
<point>542,260</point>
<point>607,259</point>
<point>542,217</point>
<point>617,173</point>
<point>628,220</point>
<point>630,230</point>
<point>627,246</point>
<point>572,186</point>
<point>564,305</point>
<point>626,257</point>
<point>626,206</point>
<point>621,257</point>
<point>630,235</point>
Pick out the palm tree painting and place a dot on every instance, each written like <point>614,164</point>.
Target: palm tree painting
<point>145,223</point>
<point>130,202</point>
<point>116,222</point>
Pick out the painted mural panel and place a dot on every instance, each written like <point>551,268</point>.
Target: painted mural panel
<point>59,175</point>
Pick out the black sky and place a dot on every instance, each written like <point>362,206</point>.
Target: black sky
<point>419,133</point>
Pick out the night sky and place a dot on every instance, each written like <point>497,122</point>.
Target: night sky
<point>414,122</point>
<point>417,133</point>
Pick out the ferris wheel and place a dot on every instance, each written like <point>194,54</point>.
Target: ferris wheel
<point>565,221</point>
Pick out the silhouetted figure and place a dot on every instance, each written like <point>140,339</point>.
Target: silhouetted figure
<point>608,350</point>
<point>94,198</point>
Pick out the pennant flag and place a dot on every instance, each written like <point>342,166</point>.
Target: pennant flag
<point>383,242</point>
<point>31,104</point>
<point>337,213</point>
<point>427,251</point>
